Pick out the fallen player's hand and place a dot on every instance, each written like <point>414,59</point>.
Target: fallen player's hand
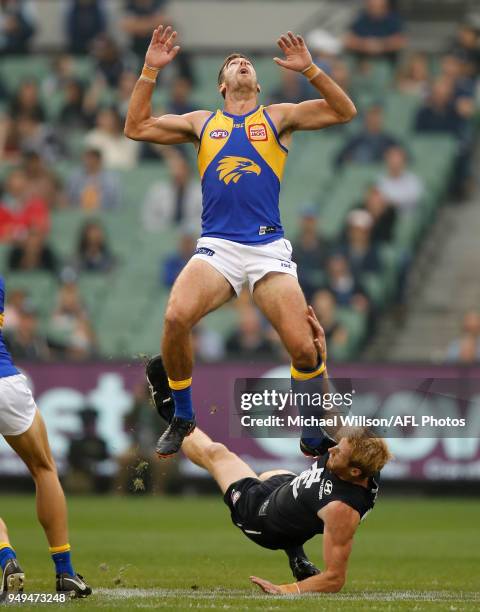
<point>318,334</point>
<point>275,589</point>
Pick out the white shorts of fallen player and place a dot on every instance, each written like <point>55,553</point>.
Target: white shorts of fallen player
<point>17,406</point>
<point>242,263</point>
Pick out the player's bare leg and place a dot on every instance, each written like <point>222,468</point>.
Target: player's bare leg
<point>266,475</point>
<point>199,289</point>
<point>33,448</point>
<point>12,574</point>
<point>225,467</point>
<point>281,300</point>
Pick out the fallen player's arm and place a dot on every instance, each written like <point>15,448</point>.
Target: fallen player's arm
<point>340,523</point>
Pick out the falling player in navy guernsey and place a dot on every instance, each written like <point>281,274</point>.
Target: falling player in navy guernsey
<point>242,150</point>
<point>280,510</point>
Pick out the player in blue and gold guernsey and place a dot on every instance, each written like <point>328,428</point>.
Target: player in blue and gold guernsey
<point>23,428</point>
<point>242,151</point>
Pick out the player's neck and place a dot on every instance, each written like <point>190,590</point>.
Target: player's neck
<point>239,105</point>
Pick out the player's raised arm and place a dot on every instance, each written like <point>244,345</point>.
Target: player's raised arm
<point>336,106</point>
<point>168,129</point>
<point>340,522</point>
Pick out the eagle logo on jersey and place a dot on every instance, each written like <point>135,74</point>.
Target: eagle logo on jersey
<point>232,167</point>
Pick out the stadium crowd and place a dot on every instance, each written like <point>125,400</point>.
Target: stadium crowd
<point>76,118</point>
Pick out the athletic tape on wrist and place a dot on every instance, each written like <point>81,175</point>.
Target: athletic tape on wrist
<point>311,72</point>
<point>149,74</point>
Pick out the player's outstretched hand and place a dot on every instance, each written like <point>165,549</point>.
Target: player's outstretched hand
<point>267,587</point>
<point>297,56</point>
<point>162,48</point>
<point>318,334</point>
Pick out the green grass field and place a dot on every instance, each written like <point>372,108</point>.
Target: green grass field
<point>184,553</point>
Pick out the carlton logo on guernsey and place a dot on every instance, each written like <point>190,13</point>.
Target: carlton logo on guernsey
<point>241,162</point>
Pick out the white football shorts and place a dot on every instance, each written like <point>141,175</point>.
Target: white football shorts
<point>241,263</point>
<point>17,406</point>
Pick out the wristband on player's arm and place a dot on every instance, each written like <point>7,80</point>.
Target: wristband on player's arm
<point>290,588</point>
<point>311,72</point>
<point>149,74</point>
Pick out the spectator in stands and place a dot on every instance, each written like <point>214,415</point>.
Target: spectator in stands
<point>360,252</point>
<point>413,76</point>
<point>341,282</point>
<point>86,454</point>
<point>377,32</point>
<point>208,344</point>
<point>249,341</point>
<point>32,253</point>
<point>180,97</point>
<point>16,300</point>
<point>175,263</point>
<point>325,49</point>
<point>126,85</point>
<point>93,251</point>
<point>110,62</point>
<point>176,202</point>
<point>70,334</point>
<point>74,113</point>
<point>107,137</point>
<point>62,71</point>
<point>466,348</point>
<point>291,88</point>
<point>26,101</point>
<point>92,187</point>
<point>467,48</point>
<point>27,343</point>
<point>453,69</point>
<point>309,252</point>
<point>85,20</point>
<point>383,215</point>
<point>399,186</point>
<point>370,144</point>
<point>325,307</point>
<point>42,138</point>
<point>141,18</point>
<point>17,26</point>
<point>440,115</point>
<point>20,209</point>
<point>43,181</point>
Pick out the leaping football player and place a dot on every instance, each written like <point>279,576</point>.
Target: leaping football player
<point>279,510</point>
<point>242,151</point>
<point>22,426</point>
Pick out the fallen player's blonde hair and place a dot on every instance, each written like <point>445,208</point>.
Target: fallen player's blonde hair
<point>369,454</point>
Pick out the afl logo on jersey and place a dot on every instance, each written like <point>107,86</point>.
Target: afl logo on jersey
<point>218,134</point>
<point>257,131</point>
<point>327,487</point>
